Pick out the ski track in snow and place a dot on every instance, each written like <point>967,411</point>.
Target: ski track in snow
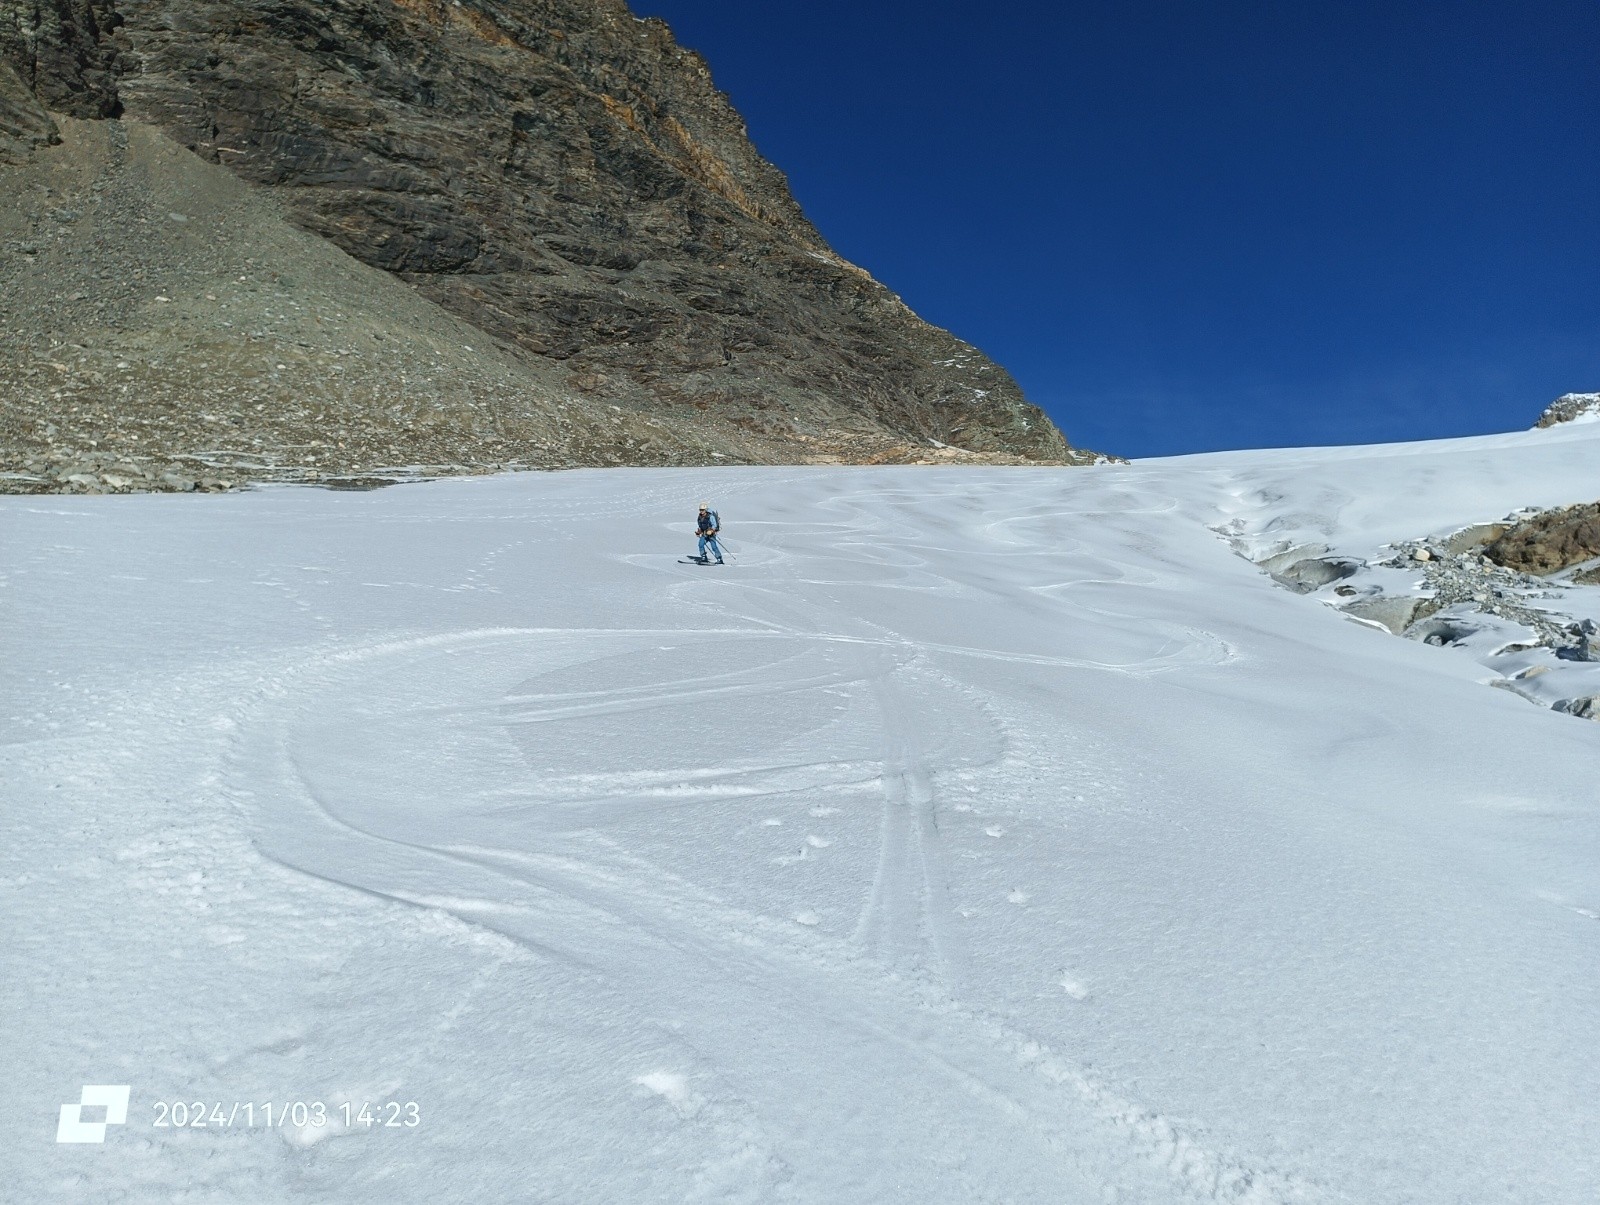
<point>906,915</point>
<point>763,846</point>
<point>619,918</point>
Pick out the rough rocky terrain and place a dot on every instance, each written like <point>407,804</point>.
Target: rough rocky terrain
<point>165,327</point>
<point>1504,590</point>
<point>24,124</point>
<point>1551,541</point>
<point>559,179</point>
<point>1571,407</point>
<point>1468,575</point>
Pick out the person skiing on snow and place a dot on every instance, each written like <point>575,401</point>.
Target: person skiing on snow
<point>706,527</point>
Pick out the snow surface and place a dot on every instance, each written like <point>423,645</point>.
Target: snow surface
<point>975,835</point>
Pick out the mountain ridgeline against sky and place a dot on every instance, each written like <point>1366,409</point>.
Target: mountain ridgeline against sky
<point>556,173</point>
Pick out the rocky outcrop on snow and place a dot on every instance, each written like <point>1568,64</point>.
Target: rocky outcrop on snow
<point>1471,578</point>
<point>560,178</point>
<point>1492,589</point>
<point>1550,542</point>
<point>1571,408</point>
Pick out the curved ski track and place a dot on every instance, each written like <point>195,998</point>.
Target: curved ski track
<point>491,773</point>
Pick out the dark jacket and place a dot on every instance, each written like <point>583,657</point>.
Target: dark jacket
<point>708,522</point>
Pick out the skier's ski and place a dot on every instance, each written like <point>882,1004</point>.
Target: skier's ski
<point>694,560</point>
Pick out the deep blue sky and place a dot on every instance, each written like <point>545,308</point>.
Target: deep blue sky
<point>1197,224</point>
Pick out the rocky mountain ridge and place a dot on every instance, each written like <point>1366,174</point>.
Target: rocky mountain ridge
<point>1571,408</point>
<point>558,175</point>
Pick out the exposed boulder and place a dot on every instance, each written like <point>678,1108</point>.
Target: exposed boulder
<point>1396,612</point>
<point>1312,573</point>
<point>1586,707</point>
<point>1551,541</point>
<point>1584,641</point>
<point>1473,537</point>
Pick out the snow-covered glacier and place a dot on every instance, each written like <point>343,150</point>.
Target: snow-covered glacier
<point>973,835</point>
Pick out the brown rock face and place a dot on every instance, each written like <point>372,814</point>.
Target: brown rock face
<point>1550,542</point>
<point>558,173</point>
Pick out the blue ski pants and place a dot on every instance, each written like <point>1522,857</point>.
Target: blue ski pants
<point>716,548</point>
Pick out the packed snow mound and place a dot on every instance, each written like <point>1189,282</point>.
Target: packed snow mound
<point>1571,408</point>
<point>987,834</point>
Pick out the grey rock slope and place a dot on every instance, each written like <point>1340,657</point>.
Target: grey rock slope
<point>556,173</point>
<point>24,124</point>
<point>159,318</point>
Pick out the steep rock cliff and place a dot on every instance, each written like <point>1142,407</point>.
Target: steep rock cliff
<point>560,174</point>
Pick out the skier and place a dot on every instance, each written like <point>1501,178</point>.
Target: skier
<point>706,527</point>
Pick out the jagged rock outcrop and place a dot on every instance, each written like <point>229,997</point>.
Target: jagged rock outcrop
<point>63,51</point>
<point>1569,408</point>
<point>561,175</point>
<point>1551,541</point>
<point>24,124</point>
